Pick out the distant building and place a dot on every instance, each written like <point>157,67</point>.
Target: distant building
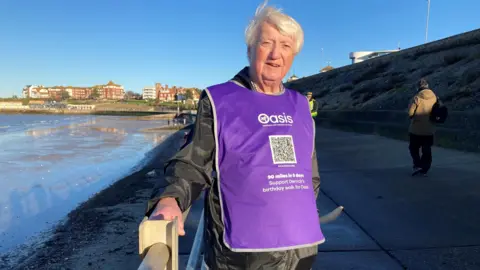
<point>80,92</point>
<point>292,78</point>
<point>165,93</point>
<point>327,68</point>
<point>26,91</point>
<point>149,92</point>
<point>80,107</point>
<point>31,91</point>
<point>358,57</point>
<point>105,91</point>
<point>12,105</point>
<point>111,91</point>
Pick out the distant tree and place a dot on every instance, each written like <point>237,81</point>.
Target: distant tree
<point>95,94</point>
<point>198,91</point>
<point>189,94</point>
<point>64,95</point>
<point>14,97</point>
<point>130,95</point>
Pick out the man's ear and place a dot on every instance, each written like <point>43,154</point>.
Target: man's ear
<point>249,53</point>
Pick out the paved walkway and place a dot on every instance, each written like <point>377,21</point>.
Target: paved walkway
<point>391,220</point>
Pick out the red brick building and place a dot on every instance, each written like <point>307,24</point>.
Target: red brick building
<point>165,93</point>
<point>105,91</point>
<point>110,90</point>
<point>81,93</point>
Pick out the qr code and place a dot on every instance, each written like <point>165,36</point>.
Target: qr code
<point>283,150</point>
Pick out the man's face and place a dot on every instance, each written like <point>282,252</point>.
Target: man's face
<point>309,96</point>
<point>273,55</point>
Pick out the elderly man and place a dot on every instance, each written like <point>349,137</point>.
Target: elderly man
<point>252,149</point>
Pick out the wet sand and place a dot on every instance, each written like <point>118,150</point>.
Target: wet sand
<point>102,233</point>
<point>163,128</point>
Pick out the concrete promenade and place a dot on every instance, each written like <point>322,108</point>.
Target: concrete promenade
<point>391,220</point>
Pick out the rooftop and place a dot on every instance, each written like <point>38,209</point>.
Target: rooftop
<point>327,68</point>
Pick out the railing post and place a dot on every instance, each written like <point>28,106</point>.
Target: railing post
<point>158,243</point>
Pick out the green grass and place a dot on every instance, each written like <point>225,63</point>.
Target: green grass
<point>134,101</point>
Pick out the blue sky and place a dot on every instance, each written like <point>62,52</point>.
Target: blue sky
<point>194,43</point>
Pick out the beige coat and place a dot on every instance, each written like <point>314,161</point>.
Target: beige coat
<point>419,112</point>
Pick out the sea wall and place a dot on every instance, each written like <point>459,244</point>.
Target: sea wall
<point>373,96</point>
<point>461,131</point>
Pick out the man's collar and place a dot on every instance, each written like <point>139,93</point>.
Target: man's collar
<point>243,79</point>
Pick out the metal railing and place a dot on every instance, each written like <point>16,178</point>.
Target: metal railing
<point>158,243</point>
<point>195,260</point>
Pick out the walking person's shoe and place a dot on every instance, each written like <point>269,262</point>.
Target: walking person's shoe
<point>420,172</point>
<point>416,170</point>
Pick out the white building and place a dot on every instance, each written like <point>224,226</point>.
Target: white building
<point>31,91</point>
<point>81,107</point>
<point>13,105</point>
<point>149,92</point>
<point>358,57</point>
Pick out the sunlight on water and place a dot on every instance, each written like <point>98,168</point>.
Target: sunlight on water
<point>51,163</point>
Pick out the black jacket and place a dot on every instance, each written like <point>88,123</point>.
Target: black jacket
<point>191,171</point>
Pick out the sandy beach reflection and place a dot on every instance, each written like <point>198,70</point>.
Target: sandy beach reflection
<point>40,132</point>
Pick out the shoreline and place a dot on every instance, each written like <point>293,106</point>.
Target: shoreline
<point>89,112</point>
<point>101,232</point>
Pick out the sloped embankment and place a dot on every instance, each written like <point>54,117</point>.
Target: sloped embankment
<point>372,96</point>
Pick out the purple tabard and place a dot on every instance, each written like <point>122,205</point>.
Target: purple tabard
<point>264,148</point>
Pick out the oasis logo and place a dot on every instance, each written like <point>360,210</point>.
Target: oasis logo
<point>275,119</point>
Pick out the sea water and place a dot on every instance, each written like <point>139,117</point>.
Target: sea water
<point>51,163</point>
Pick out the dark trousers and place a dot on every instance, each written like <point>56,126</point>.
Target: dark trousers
<point>424,143</point>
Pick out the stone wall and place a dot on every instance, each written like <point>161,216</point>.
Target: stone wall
<point>461,131</point>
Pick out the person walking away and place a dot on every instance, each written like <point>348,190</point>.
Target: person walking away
<point>313,104</point>
<point>422,129</point>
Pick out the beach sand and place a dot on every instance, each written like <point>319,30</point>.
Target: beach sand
<point>102,233</point>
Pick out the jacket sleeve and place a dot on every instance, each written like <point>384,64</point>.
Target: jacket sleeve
<point>189,172</point>
<point>412,108</point>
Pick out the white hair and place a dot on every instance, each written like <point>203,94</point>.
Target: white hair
<point>285,24</point>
